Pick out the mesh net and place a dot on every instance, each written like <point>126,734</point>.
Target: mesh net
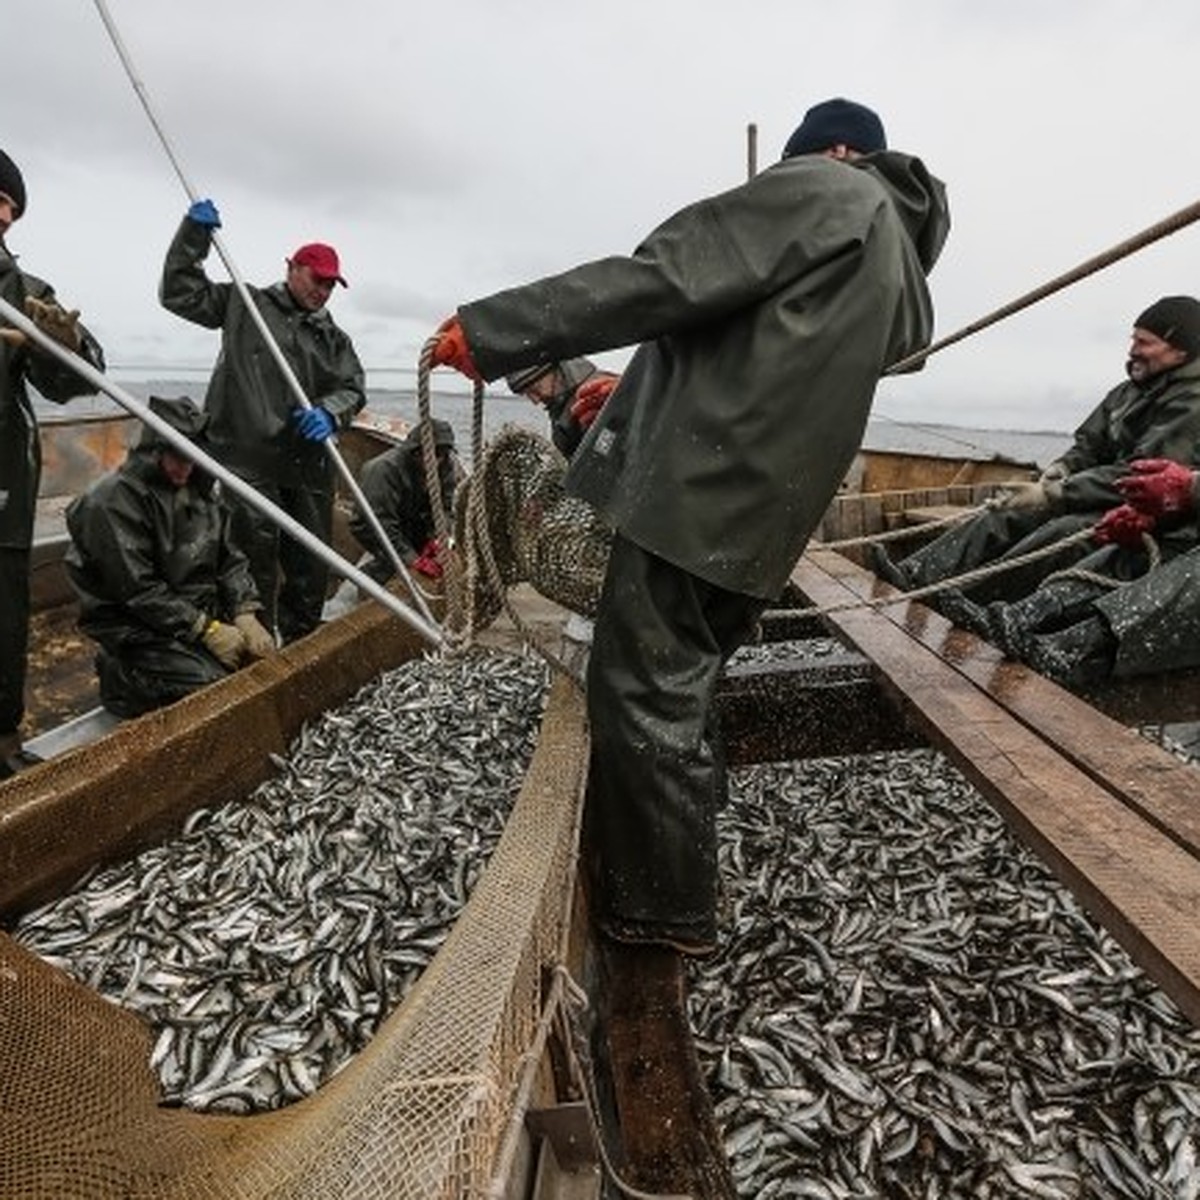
<point>421,1112</point>
<point>517,524</point>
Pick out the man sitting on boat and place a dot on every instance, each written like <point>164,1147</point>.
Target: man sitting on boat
<point>162,587</point>
<point>1117,614</point>
<point>22,362</point>
<point>1154,414</point>
<point>394,485</point>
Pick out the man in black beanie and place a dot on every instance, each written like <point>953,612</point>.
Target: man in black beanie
<point>763,317</point>
<point>23,361</point>
<point>1155,413</point>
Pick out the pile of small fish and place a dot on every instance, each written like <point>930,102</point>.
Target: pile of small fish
<point>907,1004</point>
<point>270,939</point>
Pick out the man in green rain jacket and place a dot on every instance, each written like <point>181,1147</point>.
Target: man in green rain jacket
<point>256,426</point>
<point>766,315</point>
<point>23,362</point>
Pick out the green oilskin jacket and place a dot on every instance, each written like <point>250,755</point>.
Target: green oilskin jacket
<point>766,316</point>
<point>249,401</point>
<point>1156,419</point>
<point>393,484</point>
<point>20,449</point>
<point>147,556</point>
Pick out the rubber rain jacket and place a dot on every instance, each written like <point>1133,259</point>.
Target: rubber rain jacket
<point>766,315</point>
<point>149,560</point>
<point>249,402</point>
<point>20,449</point>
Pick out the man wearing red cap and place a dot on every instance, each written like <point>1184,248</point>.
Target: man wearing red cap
<point>256,426</point>
<point>23,362</point>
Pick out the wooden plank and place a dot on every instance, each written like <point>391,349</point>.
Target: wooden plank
<point>1162,788</point>
<point>1135,878</point>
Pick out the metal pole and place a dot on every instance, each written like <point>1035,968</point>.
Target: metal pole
<point>751,150</point>
<point>284,366</point>
<point>292,527</point>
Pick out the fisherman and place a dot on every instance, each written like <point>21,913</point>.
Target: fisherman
<point>1154,414</point>
<point>572,393</point>
<point>766,315</point>
<point>257,427</point>
<point>394,485</point>
<point>1077,627</point>
<point>162,588</point>
<point>23,361</point>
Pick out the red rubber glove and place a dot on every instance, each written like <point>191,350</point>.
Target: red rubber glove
<point>427,562</point>
<point>1158,486</point>
<point>1122,526</point>
<point>452,350</point>
<point>590,396</point>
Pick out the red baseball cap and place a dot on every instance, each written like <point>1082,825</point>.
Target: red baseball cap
<point>321,259</point>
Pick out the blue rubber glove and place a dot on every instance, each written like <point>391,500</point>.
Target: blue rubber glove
<point>204,212</point>
<point>315,424</point>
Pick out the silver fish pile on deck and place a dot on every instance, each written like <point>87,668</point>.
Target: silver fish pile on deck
<point>269,940</point>
<point>907,1004</point>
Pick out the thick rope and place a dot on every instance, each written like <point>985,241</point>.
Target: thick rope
<point>1168,225</point>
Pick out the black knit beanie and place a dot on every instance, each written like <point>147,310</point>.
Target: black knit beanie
<point>11,183</point>
<point>1175,319</point>
<point>837,122</point>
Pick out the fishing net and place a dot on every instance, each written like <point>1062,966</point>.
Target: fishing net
<point>516,524</point>
<point>425,1110</point>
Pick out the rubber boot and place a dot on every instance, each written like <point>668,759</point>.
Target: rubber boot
<point>887,569</point>
<point>964,612</point>
<point>1080,655</point>
<point>667,1136</point>
<point>1011,626</point>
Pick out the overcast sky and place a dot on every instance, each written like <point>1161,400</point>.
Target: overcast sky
<point>449,150</point>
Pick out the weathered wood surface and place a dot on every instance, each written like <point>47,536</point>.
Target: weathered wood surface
<point>1115,816</point>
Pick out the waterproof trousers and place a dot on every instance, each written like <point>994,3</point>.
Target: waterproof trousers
<point>150,672</point>
<point>993,536</point>
<point>14,636</point>
<point>656,777</point>
<point>291,581</point>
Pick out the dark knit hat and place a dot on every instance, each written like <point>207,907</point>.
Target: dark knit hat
<point>443,435</point>
<point>11,182</point>
<point>182,414</point>
<point>837,122</point>
<point>526,377</point>
<point>1175,319</point>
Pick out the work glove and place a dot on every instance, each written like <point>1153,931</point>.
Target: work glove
<point>590,396</point>
<point>204,212</point>
<point>1056,471</point>
<point>226,643</point>
<point>451,349</point>
<point>315,424</point>
<point>426,563</point>
<point>1025,496</point>
<point>1122,526</point>
<point>1158,486</point>
<point>54,321</point>
<point>259,642</point>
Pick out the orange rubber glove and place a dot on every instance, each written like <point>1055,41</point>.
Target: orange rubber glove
<point>1122,526</point>
<point>590,397</point>
<point>452,350</point>
<point>1158,486</point>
